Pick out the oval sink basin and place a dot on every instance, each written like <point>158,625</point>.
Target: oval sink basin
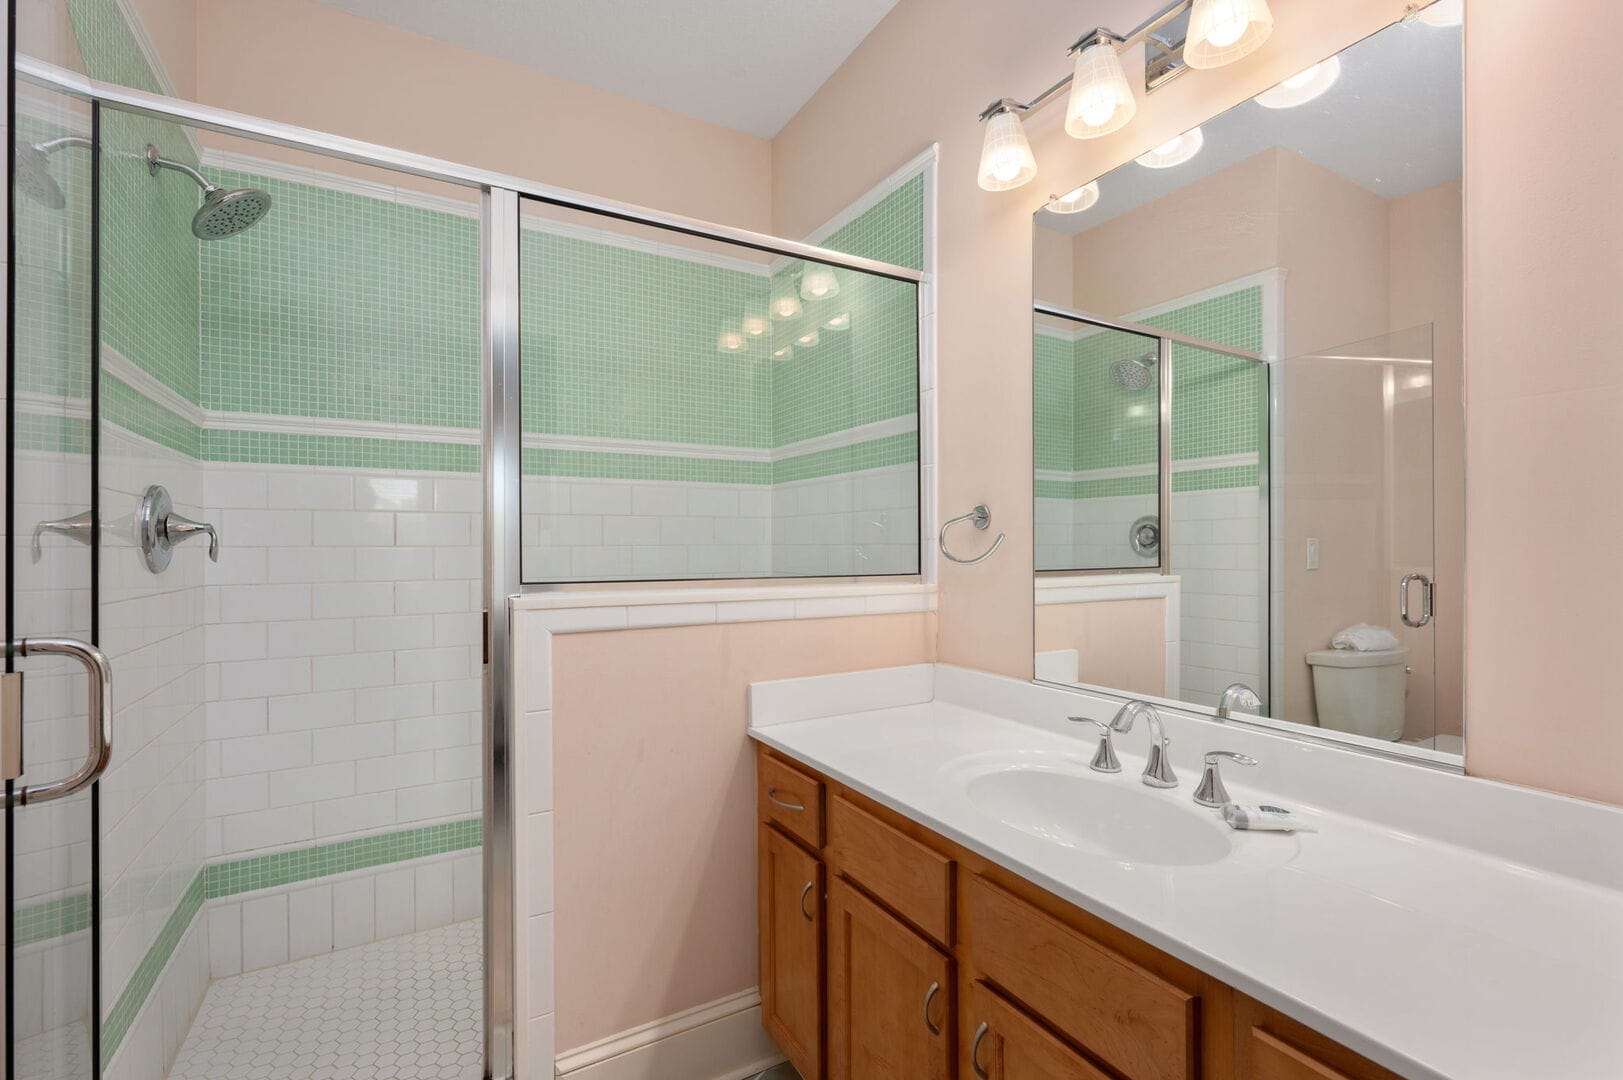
<point>1121,820</point>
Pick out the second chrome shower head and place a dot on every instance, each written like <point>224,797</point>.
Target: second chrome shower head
<point>225,211</point>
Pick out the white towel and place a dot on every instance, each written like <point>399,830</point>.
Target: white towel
<point>1365,638</point>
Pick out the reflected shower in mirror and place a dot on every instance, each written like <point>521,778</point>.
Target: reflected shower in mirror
<point>1247,408</point>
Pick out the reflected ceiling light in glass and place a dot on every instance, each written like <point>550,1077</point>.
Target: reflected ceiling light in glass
<point>808,339</point>
<point>786,306</point>
<point>1006,158</point>
<point>1076,200</point>
<point>1302,87</point>
<point>842,321</point>
<point>784,353</point>
<point>1443,13</point>
<point>818,283</point>
<point>1223,31</point>
<point>1101,100</point>
<point>1174,151</point>
<point>730,341</point>
<point>754,325</point>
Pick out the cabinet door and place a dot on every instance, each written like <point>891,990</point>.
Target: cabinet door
<point>1004,1043</point>
<point>791,926</point>
<point>890,995</point>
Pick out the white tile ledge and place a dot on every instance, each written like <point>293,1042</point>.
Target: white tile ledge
<point>576,611</point>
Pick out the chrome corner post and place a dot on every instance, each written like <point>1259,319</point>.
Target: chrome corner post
<point>499,354</point>
<point>1163,349</point>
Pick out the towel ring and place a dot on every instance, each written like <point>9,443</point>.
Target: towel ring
<point>980,517</point>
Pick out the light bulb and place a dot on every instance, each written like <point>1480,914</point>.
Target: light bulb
<point>1006,157</point>
<point>818,283</point>
<point>754,325</point>
<point>731,341</point>
<point>1101,100</point>
<point>1223,31</point>
<point>1076,200</point>
<point>808,339</point>
<point>1174,151</point>
<point>783,353</point>
<point>786,306</point>
<point>1302,87</point>
<point>842,321</point>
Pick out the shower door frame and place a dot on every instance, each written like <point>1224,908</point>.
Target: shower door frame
<point>501,438</point>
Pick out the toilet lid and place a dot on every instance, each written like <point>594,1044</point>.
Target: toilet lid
<point>1352,658</point>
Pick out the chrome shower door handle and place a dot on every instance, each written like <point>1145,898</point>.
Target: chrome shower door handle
<point>100,702</point>
<point>1426,600</point>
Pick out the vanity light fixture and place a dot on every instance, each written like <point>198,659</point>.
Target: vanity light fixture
<point>786,306</point>
<point>1102,98</point>
<point>730,341</point>
<point>1074,201</point>
<point>1441,13</point>
<point>1302,87</point>
<point>818,283</point>
<point>842,321</point>
<point>754,325</point>
<point>1174,151</point>
<point>1006,158</point>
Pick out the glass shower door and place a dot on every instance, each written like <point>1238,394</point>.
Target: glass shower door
<point>51,752</point>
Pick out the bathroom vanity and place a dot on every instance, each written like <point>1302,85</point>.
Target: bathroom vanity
<point>948,890</point>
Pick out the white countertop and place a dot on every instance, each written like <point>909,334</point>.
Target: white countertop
<point>1434,958</point>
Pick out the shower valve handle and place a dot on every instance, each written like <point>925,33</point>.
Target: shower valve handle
<point>179,528</point>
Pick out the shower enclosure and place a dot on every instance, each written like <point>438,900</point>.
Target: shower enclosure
<point>270,456</point>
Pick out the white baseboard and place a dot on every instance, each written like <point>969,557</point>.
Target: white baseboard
<point>720,1040</point>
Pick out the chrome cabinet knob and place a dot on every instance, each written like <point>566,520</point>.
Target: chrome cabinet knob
<point>1211,791</point>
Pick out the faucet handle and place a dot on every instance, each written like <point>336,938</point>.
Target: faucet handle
<point>1104,758</point>
<point>1211,791</point>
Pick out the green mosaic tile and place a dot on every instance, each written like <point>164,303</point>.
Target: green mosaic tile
<point>117,1023</point>
<point>338,451</point>
<point>302,864</point>
<point>583,463</point>
<point>52,918</point>
<point>873,454</point>
<point>891,231</point>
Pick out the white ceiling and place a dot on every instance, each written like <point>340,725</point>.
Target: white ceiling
<point>744,64</point>
<point>1393,123</point>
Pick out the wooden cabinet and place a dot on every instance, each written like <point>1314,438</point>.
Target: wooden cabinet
<point>890,995</point>
<point>791,931</point>
<point>870,923</point>
<point>1002,1043</point>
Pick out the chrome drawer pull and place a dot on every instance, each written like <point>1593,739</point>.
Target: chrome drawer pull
<point>929,996</point>
<point>803,910</point>
<point>975,1052</point>
<point>772,796</point>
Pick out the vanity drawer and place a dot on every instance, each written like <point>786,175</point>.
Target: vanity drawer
<point>790,799</point>
<point>904,875</point>
<point>1269,1045</point>
<point>1133,1020</point>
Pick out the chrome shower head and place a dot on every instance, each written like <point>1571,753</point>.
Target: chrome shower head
<point>1134,372</point>
<point>225,211</point>
<point>32,173</point>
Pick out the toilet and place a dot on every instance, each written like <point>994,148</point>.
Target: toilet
<point>1360,692</point>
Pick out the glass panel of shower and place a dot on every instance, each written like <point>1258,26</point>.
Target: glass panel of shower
<point>277,416</point>
<point>1356,458</point>
<point>697,409</point>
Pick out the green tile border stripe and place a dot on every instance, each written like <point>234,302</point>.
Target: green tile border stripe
<point>57,917</point>
<point>261,872</point>
<point>302,864</point>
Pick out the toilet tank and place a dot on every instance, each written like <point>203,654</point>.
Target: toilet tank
<point>1361,692</point>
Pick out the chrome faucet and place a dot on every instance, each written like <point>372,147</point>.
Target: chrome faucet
<point>1236,693</point>
<point>1158,767</point>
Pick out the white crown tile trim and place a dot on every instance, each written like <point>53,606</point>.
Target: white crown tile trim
<point>569,607</point>
<point>1119,472</point>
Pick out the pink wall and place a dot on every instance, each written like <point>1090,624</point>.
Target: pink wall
<point>654,790</point>
<point>1119,643</point>
<point>1544,400</point>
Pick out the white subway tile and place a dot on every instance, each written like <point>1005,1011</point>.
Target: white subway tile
<point>540,965</point>
<point>264,603</point>
<point>297,787</point>
<point>353,670</point>
<point>458,695</point>
<point>234,489</point>
<point>233,641</point>
<point>266,528</point>
<point>434,530</point>
<point>393,493</point>
<point>461,628</point>
<point>434,895</point>
<point>353,916</point>
<point>658,500</point>
<point>538,856</point>
<point>266,828</point>
<point>354,741</point>
<point>394,564</point>
<point>231,719</point>
<point>311,565</point>
<point>311,637</point>
<point>430,733</point>
<point>353,528</point>
<point>458,495</point>
<point>235,794</point>
<point>395,702</point>
<point>430,597</point>
<point>599,498</point>
<point>351,600</point>
<point>467,888</point>
<point>465,562</point>
<point>263,753</point>
<point>309,921</point>
<point>459,763</point>
<point>394,771</point>
<point>304,712</point>
<point>434,801</point>
<point>335,817</point>
<point>396,903</point>
<point>436,664</point>
<point>310,491</point>
<point>396,632</point>
<point>264,932</point>
<point>225,940</point>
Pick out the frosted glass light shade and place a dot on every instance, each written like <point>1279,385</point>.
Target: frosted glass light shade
<point>754,325</point>
<point>730,341</point>
<point>1443,13</point>
<point>1076,200</point>
<point>808,339</point>
<point>1006,158</point>
<point>1101,99</point>
<point>1302,87</point>
<point>785,306</point>
<point>1174,151</point>
<point>818,283</point>
<point>1223,31</point>
<point>842,321</point>
<point>784,353</point>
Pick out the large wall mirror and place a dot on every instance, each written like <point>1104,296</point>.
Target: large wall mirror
<point>1248,420</point>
